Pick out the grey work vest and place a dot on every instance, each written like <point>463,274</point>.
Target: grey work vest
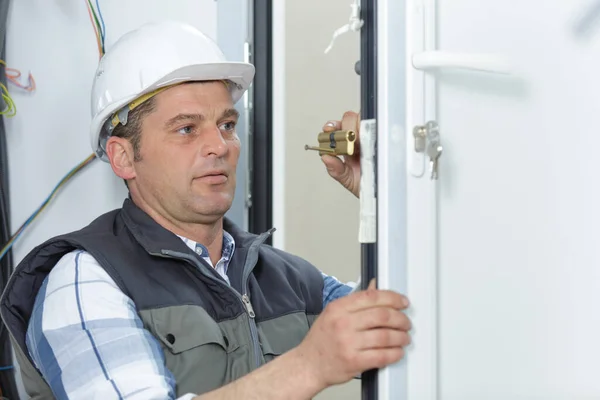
<point>211,333</point>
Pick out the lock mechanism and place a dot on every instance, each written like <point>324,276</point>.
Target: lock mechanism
<point>336,143</point>
<point>427,140</point>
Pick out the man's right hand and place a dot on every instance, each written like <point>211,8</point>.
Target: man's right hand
<point>356,333</point>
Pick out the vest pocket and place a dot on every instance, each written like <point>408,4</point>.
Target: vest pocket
<point>281,334</point>
<point>184,328</point>
<point>198,352</point>
<point>178,341</point>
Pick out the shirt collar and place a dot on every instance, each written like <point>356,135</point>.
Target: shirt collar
<point>202,251</point>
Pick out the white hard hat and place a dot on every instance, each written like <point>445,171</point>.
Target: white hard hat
<point>152,57</point>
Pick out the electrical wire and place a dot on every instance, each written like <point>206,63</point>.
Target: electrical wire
<point>98,27</point>
<point>13,75</point>
<point>99,30</point>
<point>98,42</point>
<point>11,108</point>
<point>8,382</point>
<point>41,208</point>
<point>101,20</point>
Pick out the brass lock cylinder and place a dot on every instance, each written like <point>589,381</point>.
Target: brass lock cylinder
<point>336,143</point>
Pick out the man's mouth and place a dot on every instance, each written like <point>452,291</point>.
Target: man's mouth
<point>214,177</point>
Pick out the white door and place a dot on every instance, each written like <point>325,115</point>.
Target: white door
<point>503,250</point>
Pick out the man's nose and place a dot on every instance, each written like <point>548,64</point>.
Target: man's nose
<point>213,142</point>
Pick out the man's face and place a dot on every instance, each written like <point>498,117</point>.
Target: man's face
<point>189,152</point>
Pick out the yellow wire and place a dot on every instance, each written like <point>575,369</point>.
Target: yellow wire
<point>11,108</point>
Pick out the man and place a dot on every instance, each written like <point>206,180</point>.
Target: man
<point>165,298</point>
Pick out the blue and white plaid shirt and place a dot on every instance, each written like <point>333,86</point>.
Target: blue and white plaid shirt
<point>88,341</point>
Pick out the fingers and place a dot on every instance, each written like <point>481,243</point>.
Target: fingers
<point>335,166</point>
<point>350,121</point>
<point>367,299</point>
<point>384,339</point>
<point>382,317</point>
<point>332,126</point>
<point>380,358</point>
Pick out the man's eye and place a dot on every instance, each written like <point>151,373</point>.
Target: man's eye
<point>228,126</point>
<point>186,130</point>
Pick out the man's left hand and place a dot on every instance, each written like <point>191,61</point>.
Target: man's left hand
<point>345,170</point>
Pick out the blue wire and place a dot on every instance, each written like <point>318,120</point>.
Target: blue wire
<point>14,241</point>
<point>6,368</point>
<point>103,33</point>
<point>34,214</point>
<point>25,225</point>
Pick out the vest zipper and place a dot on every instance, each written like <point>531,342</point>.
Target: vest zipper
<point>253,330</point>
<point>244,299</point>
<point>249,264</point>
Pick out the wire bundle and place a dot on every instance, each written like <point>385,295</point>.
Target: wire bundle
<point>98,24</point>
<point>100,31</point>
<point>11,109</point>
<point>13,75</point>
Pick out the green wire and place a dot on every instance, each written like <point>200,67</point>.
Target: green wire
<point>95,16</point>
<point>97,23</point>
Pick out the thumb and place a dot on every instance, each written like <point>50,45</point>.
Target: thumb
<point>335,166</point>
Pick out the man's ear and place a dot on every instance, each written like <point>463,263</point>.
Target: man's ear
<point>120,154</point>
